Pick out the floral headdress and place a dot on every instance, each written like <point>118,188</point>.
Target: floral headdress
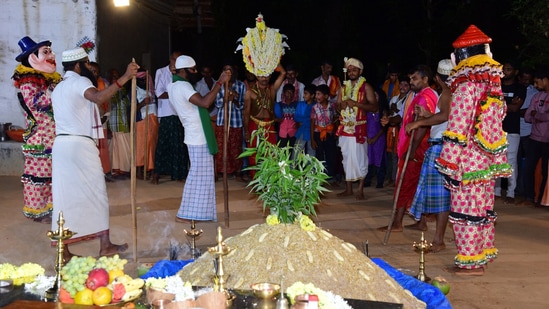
<point>262,48</point>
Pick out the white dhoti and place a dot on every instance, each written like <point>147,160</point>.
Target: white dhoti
<point>78,187</point>
<point>355,158</point>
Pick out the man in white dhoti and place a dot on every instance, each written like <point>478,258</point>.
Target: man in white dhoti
<point>78,182</point>
<point>356,99</point>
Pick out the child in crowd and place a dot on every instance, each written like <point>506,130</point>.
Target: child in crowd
<point>324,120</point>
<point>284,114</point>
<point>303,119</point>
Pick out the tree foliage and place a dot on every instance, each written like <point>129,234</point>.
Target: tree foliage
<point>533,17</point>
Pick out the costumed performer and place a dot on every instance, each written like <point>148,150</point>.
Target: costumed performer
<point>262,48</point>
<point>474,150</point>
<point>35,77</point>
<point>79,188</point>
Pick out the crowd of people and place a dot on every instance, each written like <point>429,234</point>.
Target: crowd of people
<point>449,140</point>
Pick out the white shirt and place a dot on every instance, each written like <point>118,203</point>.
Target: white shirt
<point>202,87</point>
<point>141,94</point>
<point>179,93</point>
<point>525,127</point>
<point>320,81</point>
<point>438,129</point>
<point>299,91</point>
<point>162,79</point>
<point>74,114</point>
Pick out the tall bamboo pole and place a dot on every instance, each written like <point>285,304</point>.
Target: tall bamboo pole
<point>146,146</point>
<point>132,161</point>
<point>400,175</point>
<point>225,146</point>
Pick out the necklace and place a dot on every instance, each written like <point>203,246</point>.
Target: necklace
<point>263,99</point>
<point>351,91</point>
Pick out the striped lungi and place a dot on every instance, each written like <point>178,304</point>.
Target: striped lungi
<point>431,195</point>
<point>198,201</point>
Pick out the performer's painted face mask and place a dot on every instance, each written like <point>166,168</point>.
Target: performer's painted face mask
<point>44,61</point>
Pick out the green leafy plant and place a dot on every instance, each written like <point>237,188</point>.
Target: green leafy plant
<point>289,186</point>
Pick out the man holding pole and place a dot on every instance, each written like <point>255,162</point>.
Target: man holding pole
<point>79,188</point>
<point>412,147</point>
<point>198,202</point>
<point>235,105</point>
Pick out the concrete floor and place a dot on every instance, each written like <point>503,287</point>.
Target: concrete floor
<point>516,279</point>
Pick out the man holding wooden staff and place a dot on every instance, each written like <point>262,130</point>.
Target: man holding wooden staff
<point>79,188</point>
<point>198,202</point>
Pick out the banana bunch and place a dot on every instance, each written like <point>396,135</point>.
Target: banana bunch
<point>126,288</point>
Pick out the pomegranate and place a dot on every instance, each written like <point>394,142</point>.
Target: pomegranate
<point>97,277</point>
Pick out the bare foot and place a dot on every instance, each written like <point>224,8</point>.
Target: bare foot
<point>345,193</point>
<point>466,272</point>
<point>393,229</point>
<point>437,247</point>
<point>67,255</point>
<point>359,196</point>
<point>113,249</point>
<point>416,226</point>
<point>44,219</point>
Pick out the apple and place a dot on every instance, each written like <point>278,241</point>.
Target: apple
<point>441,284</point>
<point>97,277</point>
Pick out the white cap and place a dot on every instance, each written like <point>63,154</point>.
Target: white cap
<point>184,62</point>
<point>445,67</point>
<point>74,55</point>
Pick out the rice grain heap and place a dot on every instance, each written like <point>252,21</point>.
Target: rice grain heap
<point>264,253</point>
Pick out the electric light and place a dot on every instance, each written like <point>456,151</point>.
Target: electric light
<point>118,3</point>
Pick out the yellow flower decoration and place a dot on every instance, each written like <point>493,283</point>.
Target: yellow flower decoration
<point>306,223</point>
<point>262,48</point>
<point>272,220</point>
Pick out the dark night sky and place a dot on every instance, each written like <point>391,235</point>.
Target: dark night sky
<point>377,32</point>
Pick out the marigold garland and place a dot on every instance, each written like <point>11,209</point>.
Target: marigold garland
<point>22,73</point>
<point>350,91</point>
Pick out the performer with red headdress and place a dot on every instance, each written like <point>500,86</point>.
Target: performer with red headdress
<point>474,148</point>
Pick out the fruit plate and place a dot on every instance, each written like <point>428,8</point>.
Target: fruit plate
<point>122,303</point>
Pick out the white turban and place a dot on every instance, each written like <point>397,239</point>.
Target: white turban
<point>354,62</point>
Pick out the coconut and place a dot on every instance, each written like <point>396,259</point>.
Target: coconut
<point>264,253</point>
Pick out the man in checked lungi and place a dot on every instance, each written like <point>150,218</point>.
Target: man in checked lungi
<point>431,197</point>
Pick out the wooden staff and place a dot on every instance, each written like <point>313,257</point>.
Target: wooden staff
<point>146,152</point>
<point>225,146</point>
<point>400,175</point>
<point>132,172</point>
